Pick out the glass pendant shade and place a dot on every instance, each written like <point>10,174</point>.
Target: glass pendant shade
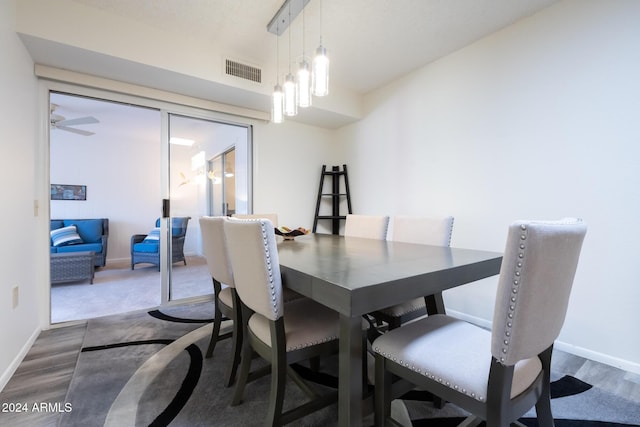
<point>277,105</point>
<point>320,73</point>
<point>290,101</point>
<point>304,84</point>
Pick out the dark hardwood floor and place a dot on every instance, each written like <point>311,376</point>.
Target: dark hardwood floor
<point>43,377</point>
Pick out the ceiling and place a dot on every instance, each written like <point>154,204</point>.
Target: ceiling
<point>370,42</point>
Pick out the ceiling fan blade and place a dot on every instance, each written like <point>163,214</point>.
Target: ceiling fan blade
<point>74,130</point>
<point>79,121</point>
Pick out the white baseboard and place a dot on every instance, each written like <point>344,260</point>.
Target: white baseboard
<point>606,359</point>
<point>11,369</point>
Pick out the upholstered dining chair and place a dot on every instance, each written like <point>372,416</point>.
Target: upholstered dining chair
<point>282,334</point>
<point>226,300</point>
<point>367,226</point>
<point>273,217</point>
<point>427,231</point>
<point>495,375</point>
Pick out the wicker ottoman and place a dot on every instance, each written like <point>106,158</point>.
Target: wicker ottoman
<point>72,266</point>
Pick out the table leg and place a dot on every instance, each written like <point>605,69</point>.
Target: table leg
<point>350,372</point>
<point>435,304</point>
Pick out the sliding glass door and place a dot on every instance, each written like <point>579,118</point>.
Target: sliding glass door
<point>144,166</point>
<point>202,181</point>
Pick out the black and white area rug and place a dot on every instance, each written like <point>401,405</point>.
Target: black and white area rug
<point>149,369</point>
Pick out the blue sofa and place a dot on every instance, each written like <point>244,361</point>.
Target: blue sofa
<point>91,235</point>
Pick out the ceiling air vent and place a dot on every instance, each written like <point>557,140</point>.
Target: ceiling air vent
<point>244,71</point>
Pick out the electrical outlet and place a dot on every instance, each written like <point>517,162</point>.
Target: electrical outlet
<point>16,296</point>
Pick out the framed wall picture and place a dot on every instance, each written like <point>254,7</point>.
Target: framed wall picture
<point>68,192</point>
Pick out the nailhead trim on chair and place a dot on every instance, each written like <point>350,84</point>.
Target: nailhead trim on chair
<point>429,375</point>
<point>269,269</point>
<point>514,291</point>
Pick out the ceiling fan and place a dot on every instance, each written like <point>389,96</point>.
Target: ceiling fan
<point>60,122</point>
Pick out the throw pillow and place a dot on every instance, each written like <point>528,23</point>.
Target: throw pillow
<point>153,236</point>
<point>65,236</point>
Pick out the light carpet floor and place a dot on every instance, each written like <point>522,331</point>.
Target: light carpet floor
<point>118,289</point>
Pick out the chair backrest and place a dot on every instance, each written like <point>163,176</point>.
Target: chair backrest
<point>424,230</point>
<point>214,246</point>
<point>270,216</point>
<point>178,225</point>
<point>256,268</point>
<point>536,277</point>
<point>367,226</point>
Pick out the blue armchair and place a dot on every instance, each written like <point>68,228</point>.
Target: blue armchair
<point>145,248</point>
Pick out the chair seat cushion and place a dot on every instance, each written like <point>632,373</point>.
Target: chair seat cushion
<point>452,352</point>
<point>148,247</point>
<point>404,308</point>
<point>85,247</point>
<point>306,323</point>
<point>225,297</point>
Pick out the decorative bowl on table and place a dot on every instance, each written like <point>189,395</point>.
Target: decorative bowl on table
<point>289,234</point>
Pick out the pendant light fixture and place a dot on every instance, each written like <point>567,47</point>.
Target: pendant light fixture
<point>320,67</point>
<point>304,76</point>
<point>289,87</point>
<point>277,97</point>
<point>312,77</point>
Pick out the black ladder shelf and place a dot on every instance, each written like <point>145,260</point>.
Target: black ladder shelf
<point>336,196</point>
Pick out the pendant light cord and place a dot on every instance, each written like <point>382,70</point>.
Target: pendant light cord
<point>289,37</point>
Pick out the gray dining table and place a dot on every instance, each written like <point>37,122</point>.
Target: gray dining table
<point>356,276</point>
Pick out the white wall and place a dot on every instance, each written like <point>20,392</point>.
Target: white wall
<point>19,226</point>
<point>288,159</point>
<point>537,121</point>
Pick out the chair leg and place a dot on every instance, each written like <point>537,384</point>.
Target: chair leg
<point>236,348</point>
<point>278,381</point>
<point>543,405</point>
<point>245,365</point>
<point>543,411</point>
<point>382,393</point>
<point>217,320</point>
<point>245,358</point>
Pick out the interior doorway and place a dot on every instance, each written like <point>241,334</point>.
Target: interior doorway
<point>126,164</point>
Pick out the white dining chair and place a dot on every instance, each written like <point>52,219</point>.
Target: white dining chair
<point>422,230</point>
<point>225,299</point>
<point>273,217</point>
<point>367,226</point>
<point>496,375</point>
<point>280,333</point>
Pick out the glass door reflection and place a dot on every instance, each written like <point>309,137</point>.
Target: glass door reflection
<point>188,141</point>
